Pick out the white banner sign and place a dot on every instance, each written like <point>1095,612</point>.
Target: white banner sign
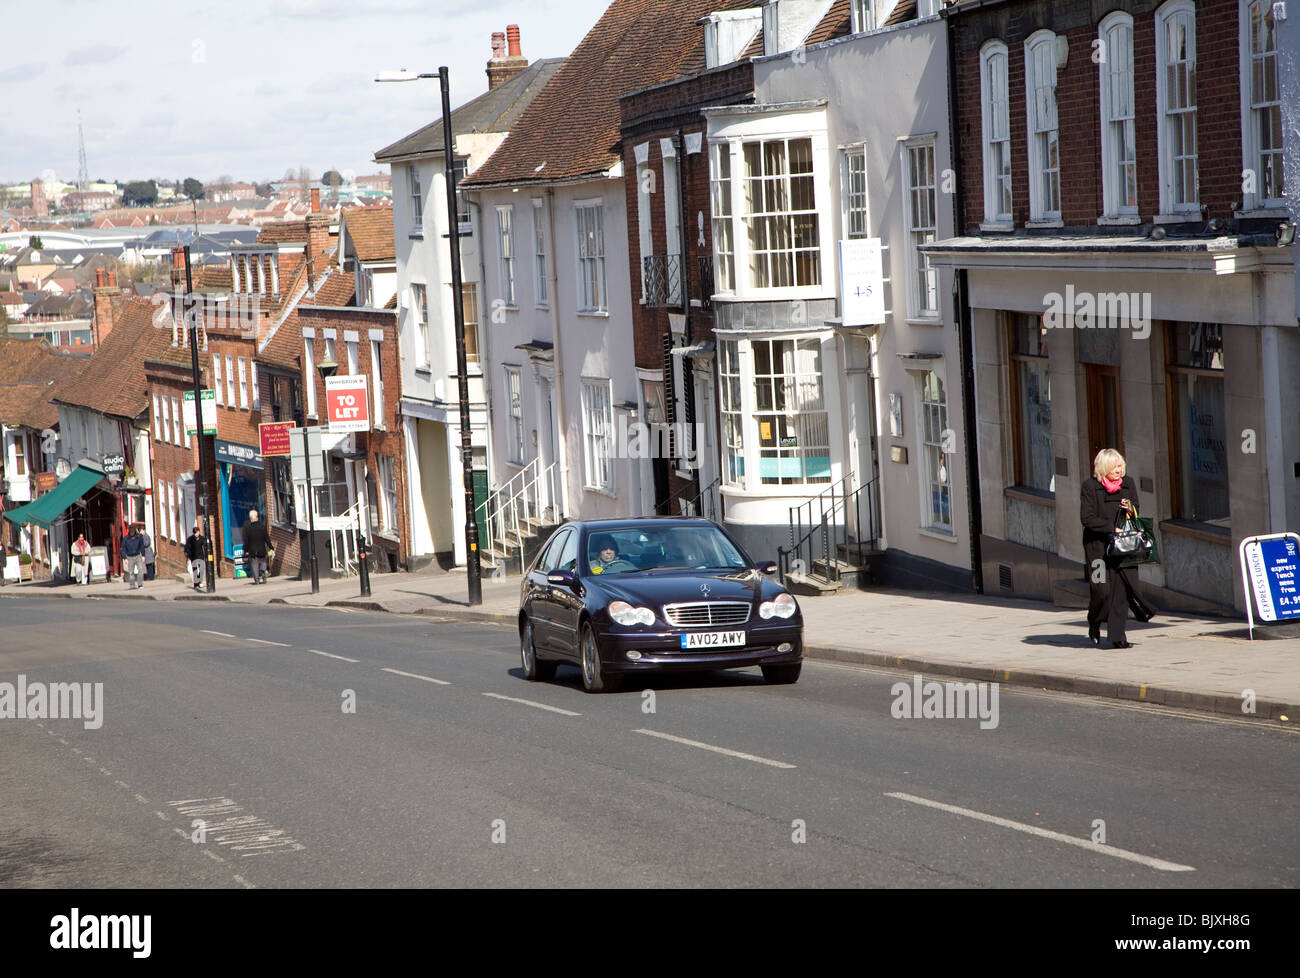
<point>862,282</point>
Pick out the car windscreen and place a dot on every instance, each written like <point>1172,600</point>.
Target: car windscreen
<point>620,551</point>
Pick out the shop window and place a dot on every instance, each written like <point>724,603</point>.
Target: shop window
<point>1031,392</point>
<point>1198,434</point>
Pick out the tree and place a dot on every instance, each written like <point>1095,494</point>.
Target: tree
<point>192,189</point>
<point>140,192</point>
<point>265,190</point>
<point>331,178</point>
<point>35,242</point>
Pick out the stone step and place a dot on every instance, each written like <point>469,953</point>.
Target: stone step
<point>810,585</point>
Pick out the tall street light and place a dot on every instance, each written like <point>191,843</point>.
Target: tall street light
<point>473,570</point>
<point>182,256</point>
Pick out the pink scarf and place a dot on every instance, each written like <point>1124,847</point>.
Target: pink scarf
<point>1112,485</point>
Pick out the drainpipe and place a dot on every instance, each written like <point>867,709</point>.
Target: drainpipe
<point>557,390</point>
<point>966,336</point>
<point>688,371</point>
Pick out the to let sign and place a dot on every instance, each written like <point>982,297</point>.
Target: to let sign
<point>346,404</point>
<point>274,438</point>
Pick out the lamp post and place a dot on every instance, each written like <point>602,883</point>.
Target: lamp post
<point>473,569</point>
<point>192,327</point>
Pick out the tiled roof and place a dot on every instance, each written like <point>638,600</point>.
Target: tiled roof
<point>280,232</point>
<point>29,371</point>
<point>337,290</point>
<point>494,111</point>
<point>113,380</point>
<point>283,348</point>
<point>901,14</point>
<point>28,405</point>
<point>572,128</point>
<point>212,277</point>
<point>837,22</point>
<point>371,231</point>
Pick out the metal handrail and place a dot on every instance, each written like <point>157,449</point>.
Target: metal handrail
<point>662,275</point>
<point>835,532</point>
<point>506,510</point>
<point>690,507</point>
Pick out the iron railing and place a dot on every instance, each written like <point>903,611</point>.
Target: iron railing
<point>704,264</point>
<point>663,280</point>
<point>509,512</point>
<point>839,517</point>
<point>706,503</point>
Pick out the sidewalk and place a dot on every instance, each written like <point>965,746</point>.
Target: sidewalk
<point>1195,663</point>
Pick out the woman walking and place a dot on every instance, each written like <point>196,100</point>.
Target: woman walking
<point>1104,500</point>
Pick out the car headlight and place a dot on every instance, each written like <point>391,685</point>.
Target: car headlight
<point>782,606</point>
<point>625,614</point>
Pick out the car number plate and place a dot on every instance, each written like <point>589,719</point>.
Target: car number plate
<point>712,640</point>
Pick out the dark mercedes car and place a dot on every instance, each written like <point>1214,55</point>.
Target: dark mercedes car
<point>616,597</point>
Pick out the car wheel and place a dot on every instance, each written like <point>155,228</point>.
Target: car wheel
<point>782,675</point>
<point>534,668</point>
<point>593,679</point>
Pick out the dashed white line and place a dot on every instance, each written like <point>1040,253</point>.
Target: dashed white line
<point>209,853</point>
<point>1006,823</point>
<point>122,784</point>
<point>416,675</point>
<point>262,641</point>
<point>540,706</point>
<point>331,655</point>
<point>164,816</point>
<point>211,632</point>
<point>717,750</point>
<point>244,883</point>
<point>142,799</point>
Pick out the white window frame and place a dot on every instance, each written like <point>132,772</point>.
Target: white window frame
<point>354,362</point>
<point>855,201</point>
<point>176,421</point>
<point>1117,85</point>
<point>377,382</point>
<point>515,412</point>
<point>1251,112</point>
<point>995,121</point>
<point>862,16</point>
<point>157,419</point>
<point>252,383</point>
<point>1169,208</point>
<point>748,218</point>
<point>230,380</point>
<point>589,256</point>
<point>218,385</point>
<point>242,364</point>
<point>1043,128</point>
<point>917,263</point>
<point>506,254</point>
<point>928,472</point>
<point>417,198</point>
<point>309,371</point>
<point>166,419</point>
<point>723,215</point>
<point>598,434</point>
<point>539,256</point>
<point>387,466</point>
<point>420,310</point>
<point>644,215</point>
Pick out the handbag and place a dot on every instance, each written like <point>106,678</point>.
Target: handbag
<point>1133,544</point>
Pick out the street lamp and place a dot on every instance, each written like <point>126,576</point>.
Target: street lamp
<point>473,571</point>
<point>182,256</point>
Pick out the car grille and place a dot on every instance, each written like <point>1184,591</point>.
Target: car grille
<point>697,613</point>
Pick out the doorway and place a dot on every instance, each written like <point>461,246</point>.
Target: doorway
<point>1105,411</point>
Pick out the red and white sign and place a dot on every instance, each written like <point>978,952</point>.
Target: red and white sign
<point>347,404</point>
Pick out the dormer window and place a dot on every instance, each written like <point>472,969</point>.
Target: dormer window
<point>727,33</point>
<point>862,15</point>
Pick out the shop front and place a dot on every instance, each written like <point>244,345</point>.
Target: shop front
<point>239,475</point>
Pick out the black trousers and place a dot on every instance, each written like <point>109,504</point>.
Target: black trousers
<point>1110,599</point>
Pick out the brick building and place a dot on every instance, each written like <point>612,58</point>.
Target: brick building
<point>1120,193</point>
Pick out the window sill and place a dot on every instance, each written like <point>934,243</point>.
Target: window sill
<point>593,313</point>
<point>1261,213</point>
<point>947,536</point>
<point>1027,495</point>
<point>389,535</point>
<point>415,236</point>
<point>935,320</point>
<point>1124,220</point>
<point>608,493</point>
<point>1185,217</point>
<point>543,306</point>
<point>427,370</point>
<point>286,527</point>
<point>997,226</point>
<point>1045,222</point>
<point>1205,532</point>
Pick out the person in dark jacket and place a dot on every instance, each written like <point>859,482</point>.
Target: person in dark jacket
<point>133,558</point>
<point>196,552</point>
<point>1104,500</point>
<point>257,541</point>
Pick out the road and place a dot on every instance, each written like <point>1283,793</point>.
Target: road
<point>452,770</point>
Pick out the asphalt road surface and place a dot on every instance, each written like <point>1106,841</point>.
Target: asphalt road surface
<point>273,747</point>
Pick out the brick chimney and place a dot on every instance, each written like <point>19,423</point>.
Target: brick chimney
<point>507,59</point>
<point>318,239</point>
<point>105,289</point>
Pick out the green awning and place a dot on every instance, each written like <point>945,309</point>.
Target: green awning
<point>49,507</point>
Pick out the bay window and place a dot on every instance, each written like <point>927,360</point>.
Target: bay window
<point>724,250</point>
<point>780,215</point>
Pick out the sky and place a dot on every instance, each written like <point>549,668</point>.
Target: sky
<point>247,89</point>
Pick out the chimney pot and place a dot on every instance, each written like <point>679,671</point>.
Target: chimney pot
<point>112,279</point>
<point>99,278</point>
<point>498,44</point>
<point>512,35</point>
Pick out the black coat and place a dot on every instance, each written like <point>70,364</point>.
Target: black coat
<point>1100,513</point>
<point>256,539</point>
<point>195,547</point>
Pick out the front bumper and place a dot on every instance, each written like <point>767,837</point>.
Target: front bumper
<point>662,651</point>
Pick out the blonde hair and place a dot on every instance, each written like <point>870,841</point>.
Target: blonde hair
<point>1106,460</point>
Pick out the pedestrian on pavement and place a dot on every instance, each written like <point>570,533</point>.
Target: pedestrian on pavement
<point>257,541</point>
<point>133,558</point>
<point>150,556</point>
<point>196,552</point>
<point>81,559</point>
<point>1104,500</point>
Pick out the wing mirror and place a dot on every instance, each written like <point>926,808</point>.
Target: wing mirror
<point>767,567</point>
<point>562,577</point>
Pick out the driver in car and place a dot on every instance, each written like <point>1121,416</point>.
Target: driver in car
<point>609,560</point>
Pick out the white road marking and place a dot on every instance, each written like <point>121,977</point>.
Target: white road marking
<point>164,816</point>
<point>75,750</point>
<point>105,772</point>
<point>331,655</point>
<point>1007,823</point>
<point>540,706</point>
<point>262,641</point>
<point>227,823</point>
<point>142,799</point>
<point>244,883</point>
<point>416,675</point>
<point>211,632</point>
<point>209,853</point>
<point>717,750</point>
<point>122,784</point>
